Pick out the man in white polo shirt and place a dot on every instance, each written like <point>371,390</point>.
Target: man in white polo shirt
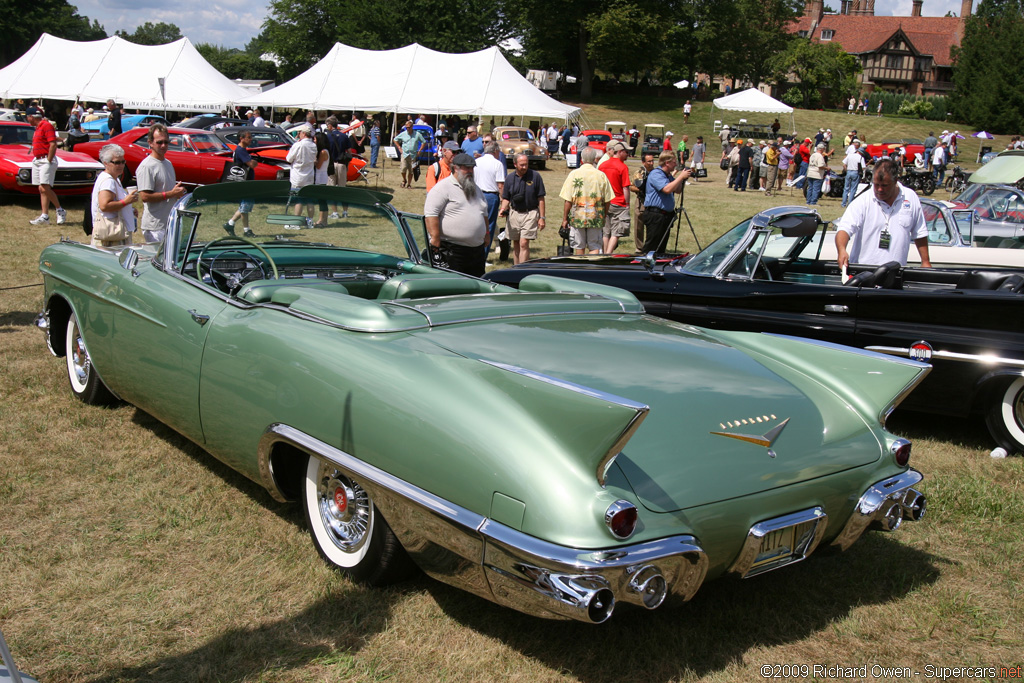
<point>879,226</point>
<point>490,178</point>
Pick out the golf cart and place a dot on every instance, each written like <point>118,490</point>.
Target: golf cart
<point>653,137</point>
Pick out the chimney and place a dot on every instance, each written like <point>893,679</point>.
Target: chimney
<point>965,8</point>
<point>916,12</point>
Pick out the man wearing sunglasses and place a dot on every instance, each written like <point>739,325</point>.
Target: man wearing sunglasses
<point>158,186</point>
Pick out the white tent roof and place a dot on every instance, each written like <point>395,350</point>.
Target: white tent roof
<point>131,74</point>
<point>414,79</point>
<point>754,100</point>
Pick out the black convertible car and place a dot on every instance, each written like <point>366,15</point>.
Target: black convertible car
<point>765,275</point>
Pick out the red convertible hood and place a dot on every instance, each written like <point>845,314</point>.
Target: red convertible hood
<point>22,155</point>
<point>704,396</point>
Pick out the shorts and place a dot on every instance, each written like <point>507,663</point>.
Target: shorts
<point>245,206</point>
<point>616,223</point>
<point>523,226</point>
<point>44,172</point>
<point>586,238</point>
<point>763,171</point>
<point>339,177</point>
<point>406,163</point>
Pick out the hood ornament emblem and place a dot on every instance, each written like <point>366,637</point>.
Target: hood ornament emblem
<point>766,439</point>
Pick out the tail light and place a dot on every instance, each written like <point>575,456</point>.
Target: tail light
<point>621,517</point>
<point>900,450</point>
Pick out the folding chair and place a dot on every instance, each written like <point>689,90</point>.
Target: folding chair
<point>718,124</point>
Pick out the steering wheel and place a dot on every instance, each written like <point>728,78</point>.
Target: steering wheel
<point>230,238</point>
<point>749,259</point>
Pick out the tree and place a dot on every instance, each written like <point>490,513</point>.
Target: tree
<point>153,34</point>
<point>823,71</point>
<point>986,78</point>
<point>235,63</point>
<point>300,32</point>
<point>25,22</point>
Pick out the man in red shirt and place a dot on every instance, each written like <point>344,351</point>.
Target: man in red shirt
<point>616,222</point>
<point>44,165</point>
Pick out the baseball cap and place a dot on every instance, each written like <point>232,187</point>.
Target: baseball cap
<point>615,146</point>
<point>452,145</point>
<point>33,111</point>
<point>463,159</point>
<point>669,134</point>
<point>787,143</point>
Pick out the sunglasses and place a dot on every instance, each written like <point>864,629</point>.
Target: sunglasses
<point>117,162</point>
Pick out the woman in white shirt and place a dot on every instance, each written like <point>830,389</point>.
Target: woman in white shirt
<point>110,198</point>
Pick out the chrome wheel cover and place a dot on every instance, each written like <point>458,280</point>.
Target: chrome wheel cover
<point>345,509</point>
<point>80,363</point>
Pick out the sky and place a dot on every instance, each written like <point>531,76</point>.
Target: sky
<point>232,23</point>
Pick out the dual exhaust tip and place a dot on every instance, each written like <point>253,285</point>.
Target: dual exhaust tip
<point>589,598</point>
<point>911,505</point>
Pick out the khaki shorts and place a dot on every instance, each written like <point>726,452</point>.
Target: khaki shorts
<point>44,172</point>
<point>340,177</point>
<point>616,223</point>
<point>407,162</point>
<point>523,226</point>
<point>585,238</point>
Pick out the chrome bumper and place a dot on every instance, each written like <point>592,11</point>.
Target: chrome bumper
<point>496,562</point>
<point>42,321</point>
<point>884,506</point>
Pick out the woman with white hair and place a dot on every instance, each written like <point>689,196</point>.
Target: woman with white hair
<point>113,213</point>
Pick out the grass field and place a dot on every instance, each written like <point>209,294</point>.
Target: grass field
<point>128,554</point>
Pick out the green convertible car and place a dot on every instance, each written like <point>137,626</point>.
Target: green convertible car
<point>551,448</point>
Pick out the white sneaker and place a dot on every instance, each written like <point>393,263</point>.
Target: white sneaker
<point>334,215</point>
<point>43,219</point>
<point>62,216</point>
<point>344,214</point>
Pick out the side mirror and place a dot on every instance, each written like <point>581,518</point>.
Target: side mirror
<point>129,259</point>
<point>648,261</point>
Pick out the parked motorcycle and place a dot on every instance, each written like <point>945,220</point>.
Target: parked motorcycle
<point>922,182</point>
<point>957,181</point>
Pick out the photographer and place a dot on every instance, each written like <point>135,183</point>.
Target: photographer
<point>659,204</point>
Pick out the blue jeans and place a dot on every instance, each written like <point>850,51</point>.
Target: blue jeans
<point>802,171</point>
<point>374,149</point>
<point>814,189</point>
<point>850,187</point>
<point>493,200</point>
<point>928,156</point>
<point>741,179</point>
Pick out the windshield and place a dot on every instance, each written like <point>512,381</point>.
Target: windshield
<point>208,143</point>
<point>598,137</point>
<point>269,216</point>
<point>707,261</point>
<point>16,135</point>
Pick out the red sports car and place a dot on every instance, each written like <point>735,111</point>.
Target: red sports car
<point>274,143</point>
<point>598,139</point>
<point>891,148</point>
<point>76,173</point>
<point>199,157</point>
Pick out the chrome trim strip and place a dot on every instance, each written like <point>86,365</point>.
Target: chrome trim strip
<point>872,507</point>
<point>566,384</point>
<point>951,355</point>
<point>642,410</point>
<point>741,566</point>
<point>868,351</point>
<point>509,567</point>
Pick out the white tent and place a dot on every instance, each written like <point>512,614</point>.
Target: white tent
<point>414,79</point>
<point>752,100</point>
<point>150,77</point>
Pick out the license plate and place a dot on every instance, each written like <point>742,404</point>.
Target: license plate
<point>783,543</point>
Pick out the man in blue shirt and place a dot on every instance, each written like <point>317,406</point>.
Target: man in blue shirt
<point>472,144</point>
<point>659,204</point>
<point>411,143</point>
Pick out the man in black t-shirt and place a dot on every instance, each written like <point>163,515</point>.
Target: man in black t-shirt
<point>115,118</point>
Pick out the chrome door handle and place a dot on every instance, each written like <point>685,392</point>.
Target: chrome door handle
<point>199,318</point>
<point>836,308</point>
